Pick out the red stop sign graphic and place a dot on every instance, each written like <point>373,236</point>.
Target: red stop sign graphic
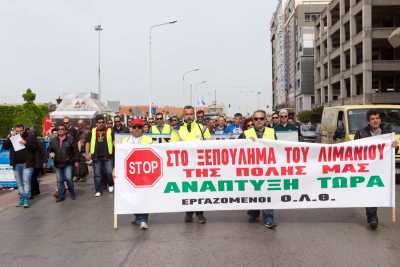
<point>143,167</point>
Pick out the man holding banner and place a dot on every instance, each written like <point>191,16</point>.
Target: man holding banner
<point>374,127</point>
<point>191,131</point>
<point>260,131</point>
<point>137,137</point>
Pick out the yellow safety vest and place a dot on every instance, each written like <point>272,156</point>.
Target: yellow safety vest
<point>197,133</point>
<point>144,140</point>
<point>165,130</point>
<point>108,139</point>
<point>269,133</point>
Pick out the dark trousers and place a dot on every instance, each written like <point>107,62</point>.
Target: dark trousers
<point>35,190</point>
<point>190,213</point>
<point>372,213</point>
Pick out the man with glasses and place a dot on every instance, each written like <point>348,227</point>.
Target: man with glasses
<point>64,151</point>
<point>274,120</point>
<point>191,131</point>
<point>260,131</point>
<point>174,122</point>
<point>137,137</point>
<point>284,125</point>
<point>71,130</point>
<point>160,127</point>
<point>22,160</point>
<point>100,146</point>
<point>118,126</point>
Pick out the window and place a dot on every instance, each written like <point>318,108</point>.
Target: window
<point>310,17</point>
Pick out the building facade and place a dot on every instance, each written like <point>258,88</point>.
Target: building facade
<point>279,76</point>
<point>292,34</point>
<point>353,61</point>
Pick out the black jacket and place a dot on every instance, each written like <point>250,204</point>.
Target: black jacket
<point>65,155</point>
<point>28,153</point>
<point>366,132</point>
<point>121,130</point>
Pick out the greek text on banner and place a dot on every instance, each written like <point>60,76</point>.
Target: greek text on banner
<point>245,174</point>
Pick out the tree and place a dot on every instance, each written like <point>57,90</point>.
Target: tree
<point>29,96</point>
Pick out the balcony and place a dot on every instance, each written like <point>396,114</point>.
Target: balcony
<point>386,65</point>
<point>385,98</point>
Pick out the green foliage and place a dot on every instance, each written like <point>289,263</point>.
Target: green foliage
<point>313,116</point>
<point>29,114</point>
<point>305,116</point>
<point>29,96</point>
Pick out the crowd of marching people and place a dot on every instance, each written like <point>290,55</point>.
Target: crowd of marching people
<point>73,148</point>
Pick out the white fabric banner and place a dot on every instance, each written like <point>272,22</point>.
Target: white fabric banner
<point>245,174</point>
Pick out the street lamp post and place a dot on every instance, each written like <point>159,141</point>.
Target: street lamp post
<point>98,28</point>
<point>196,86</point>
<point>150,61</point>
<point>183,78</point>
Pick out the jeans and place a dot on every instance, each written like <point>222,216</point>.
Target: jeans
<point>64,174</point>
<point>141,218</point>
<point>98,166</point>
<point>23,177</point>
<point>372,213</point>
<point>267,215</point>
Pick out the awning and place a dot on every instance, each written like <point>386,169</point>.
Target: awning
<point>73,114</point>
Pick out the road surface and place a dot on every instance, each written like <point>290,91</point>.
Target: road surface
<point>80,233</point>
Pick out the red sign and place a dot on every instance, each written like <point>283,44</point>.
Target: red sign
<point>143,167</point>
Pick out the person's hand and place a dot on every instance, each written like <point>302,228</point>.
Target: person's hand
<point>22,142</point>
<point>113,173</point>
<point>395,143</point>
<point>77,165</point>
<point>88,157</point>
<point>253,139</point>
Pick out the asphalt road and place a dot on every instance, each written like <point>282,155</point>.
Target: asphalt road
<point>80,233</point>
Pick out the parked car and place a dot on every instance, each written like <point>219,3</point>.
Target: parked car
<point>308,133</point>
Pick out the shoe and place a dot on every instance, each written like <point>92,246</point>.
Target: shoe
<point>26,202</point>
<point>270,225</point>
<point>144,226</point>
<point>373,223</point>
<point>111,189</point>
<point>20,202</point>
<point>201,219</point>
<point>188,218</point>
<point>60,200</point>
<point>98,194</point>
<point>73,196</point>
<point>252,219</point>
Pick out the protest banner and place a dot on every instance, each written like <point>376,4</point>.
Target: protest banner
<point>261,174</point>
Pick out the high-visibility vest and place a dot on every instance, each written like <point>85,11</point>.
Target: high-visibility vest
<point>144,140</point>
<point>166,129</point>
<point>268,134</point>
<point>197,133</point>
<point>108,140</point>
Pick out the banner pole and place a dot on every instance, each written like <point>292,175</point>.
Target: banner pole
<point>115,221</point>
<point>394,215</point>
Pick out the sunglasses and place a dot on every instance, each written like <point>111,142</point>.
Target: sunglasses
<point>259,119</point>
<point>159,119</point>
<point>283,116</point>
<point>275,117</point>
<point>137,127</point>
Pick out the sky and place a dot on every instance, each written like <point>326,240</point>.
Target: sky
<point>51,47</point>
